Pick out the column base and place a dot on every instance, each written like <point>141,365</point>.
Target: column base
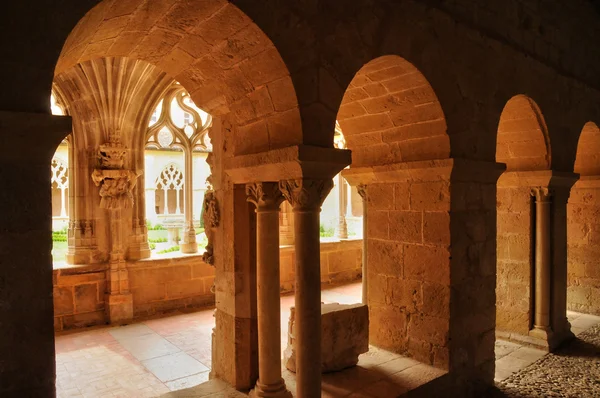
<point>139,252</point>
<point>119,307</point>
<point>547,340</point>
<point>82,256</point>
<point>189,248</point>
<point>278,390</point>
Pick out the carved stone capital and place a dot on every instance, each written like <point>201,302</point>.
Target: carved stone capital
<point>265,195</point>
<point>362,191</point>
<point>305,195</point>
<point>541,194</point>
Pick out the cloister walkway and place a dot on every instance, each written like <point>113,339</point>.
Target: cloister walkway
<point>157,356</point>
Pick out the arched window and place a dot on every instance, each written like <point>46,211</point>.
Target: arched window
<point>60,186</point>
<point>59,180</point>
<point>177,127</point>
<point>169,191</point>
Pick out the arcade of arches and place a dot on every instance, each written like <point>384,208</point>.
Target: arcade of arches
<point>452,149</point>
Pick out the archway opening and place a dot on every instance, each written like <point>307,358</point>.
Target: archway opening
<point>393,122</point>
<point>177,173</point>
<point>583,273</point>
<point>113,78</point>
<point>523,145</point>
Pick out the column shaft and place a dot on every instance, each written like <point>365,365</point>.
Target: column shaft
<point>342,229</point>
<point>189,233</point>
<point>306,197</point>
<point>267,198</point>
<point>362,191</point>
<point>308,304</point>
<point>542,261</point>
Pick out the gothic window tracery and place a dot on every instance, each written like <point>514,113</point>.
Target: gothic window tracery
<point>60,184</point>
<point>177,125</point>
<point>169,190</point>
<point>180,124</point>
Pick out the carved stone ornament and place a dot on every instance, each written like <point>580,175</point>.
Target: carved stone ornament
<point>306,194</point>
<point>362,191</point>
<point>211,221</point>
<point>115,187</point>
<point>112,154</point>
<point>265,195</point>
<point>541,194</point>
<point>116,184</point>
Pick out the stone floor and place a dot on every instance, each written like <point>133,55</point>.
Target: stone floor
<point>572,371</point>
<point>171,356</point>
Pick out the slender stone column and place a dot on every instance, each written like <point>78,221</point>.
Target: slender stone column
<point>362,191</point>
<point>286,227</point>
<point>306,198</point>
<point>189,244</point>
<point>267,197</point>
<point>543,261</point>
<point>342,229</point>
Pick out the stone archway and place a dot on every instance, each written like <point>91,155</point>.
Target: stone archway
<point>531,199</point>
<point>395,126</point>
<point>583,292</point>
<point>233,71</point>
<point>223,59</point>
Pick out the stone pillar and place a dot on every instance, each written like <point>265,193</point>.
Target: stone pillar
<point>286,225</point>
<point>543,261</point>
<point>342,227</point>
<point>306,197</point>
<point>27,363</point>
<point>63,203</point>
<point>267,197</point>
<point>151,204</point>
<point>189,244</point>
<point>362,191</point>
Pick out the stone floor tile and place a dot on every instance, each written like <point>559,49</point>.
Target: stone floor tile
<point>130,331</point>
<point>415,376</point>
<point>394,366</point>
<point>148,346</point>
<point>503,348</point>
<point>383,388</point>
<point>577,331</point>
<point>213,388</point>
<point>174,366</point>
<point>348,381</point>
<point>188,382</point>
<point>585,321</point>
<point>528,354</point>
<point>510,364</point>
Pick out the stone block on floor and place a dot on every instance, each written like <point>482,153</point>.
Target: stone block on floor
<point>344,336</point>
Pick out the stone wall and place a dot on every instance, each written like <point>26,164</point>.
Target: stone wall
<point>78,297</point>
<point>583,229</point>
<point>160,285</point>
<point>409,268</point>
<point>514,259</point>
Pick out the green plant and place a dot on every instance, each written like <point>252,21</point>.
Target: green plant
<point>156,227</point>
<point>326,232</point>
<point>152,246</point>
<point>169,250</point>
<point>157,240</point>
<point>59,236</point>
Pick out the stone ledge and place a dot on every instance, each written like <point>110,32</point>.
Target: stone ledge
<point>462,170</point>
<point>294,162</point>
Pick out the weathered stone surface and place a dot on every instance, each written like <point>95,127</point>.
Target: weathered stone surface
<point>344,336</point>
